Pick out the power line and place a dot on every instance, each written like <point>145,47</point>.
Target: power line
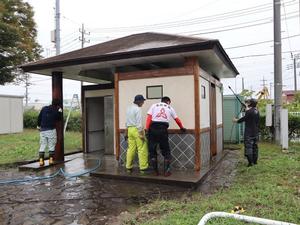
<point>258,43</point>
<point>206,19</point>
<point>237,28</point>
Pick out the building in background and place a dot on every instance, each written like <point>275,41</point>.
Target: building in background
<point>11,114</point>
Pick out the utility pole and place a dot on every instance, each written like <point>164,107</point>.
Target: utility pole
<point>271,84</point>
<point>243,84</point>
<point>27,84</point>
<point>82,37</point>
<point>57,27</point>
<point>295,75</point>
<point>83,40</point>
<point>264,82</point>
<point>277,69</point>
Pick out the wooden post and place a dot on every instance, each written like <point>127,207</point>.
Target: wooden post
<point>117,128</point>
<point>57,93</point>
<point>193,62</point>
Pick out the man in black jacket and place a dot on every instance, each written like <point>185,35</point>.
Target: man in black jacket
<point>251,120</point>
<point>47,118</point>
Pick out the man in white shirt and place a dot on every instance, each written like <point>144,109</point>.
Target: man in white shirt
<point>136,135</point>
<point>157,124</point>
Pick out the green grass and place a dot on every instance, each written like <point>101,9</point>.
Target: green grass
<point>24,146</point>
<point>269,190</point>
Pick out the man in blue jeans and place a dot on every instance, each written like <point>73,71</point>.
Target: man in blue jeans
<point>251,120</point>
<point>47,118</point>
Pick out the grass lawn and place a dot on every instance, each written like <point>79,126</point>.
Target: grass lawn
<point>270,190</point>
<point>24,146</point>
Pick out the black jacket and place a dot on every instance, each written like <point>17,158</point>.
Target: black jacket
<point>47,118</point>
<point>251,120</point>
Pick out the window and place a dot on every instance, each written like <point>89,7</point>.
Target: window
<point>154,92</point>
<point>203,94</point>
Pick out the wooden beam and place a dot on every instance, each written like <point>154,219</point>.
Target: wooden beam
<point>57,93</point>
<point>192,63</point>
<point>181,71</point>
<point>117,127</point>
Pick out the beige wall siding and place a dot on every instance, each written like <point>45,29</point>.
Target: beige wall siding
<point>11,114</point>
<point>219,100</point>
<point>204,104</point>
<point>180,89</point>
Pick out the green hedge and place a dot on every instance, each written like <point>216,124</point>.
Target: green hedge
<point>294,127</point>
<point>74,124</point>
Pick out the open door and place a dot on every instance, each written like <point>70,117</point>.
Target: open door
<point>213,121</point>
<point>100,125</point>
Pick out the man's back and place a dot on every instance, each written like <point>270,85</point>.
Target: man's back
<point>47,118</point>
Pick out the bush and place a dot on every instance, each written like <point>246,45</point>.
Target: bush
<point>266,132</point>
<point>74,123</point>
<point>30,118</point>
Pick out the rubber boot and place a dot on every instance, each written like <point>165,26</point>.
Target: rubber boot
<point>167,168</point>
<point>153,163</point>
<point>51,160</point>
<point>41,158</point>
<point>250,160</point>
<point>255,157</point>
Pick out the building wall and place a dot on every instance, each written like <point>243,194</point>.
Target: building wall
<point>11,114</point>
<point>204,103</point>
<point>219,103</point>
<point>179,88</point>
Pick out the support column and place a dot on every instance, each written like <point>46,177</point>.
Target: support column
<point>57,93</point>
<point>117,128</point>
<point>193,62</point>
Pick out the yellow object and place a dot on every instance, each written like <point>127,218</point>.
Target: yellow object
<point>42,163</point>
<point>51,161</point>
<point>237,210</point>
<point>136,144</point>
<point>264,93</point>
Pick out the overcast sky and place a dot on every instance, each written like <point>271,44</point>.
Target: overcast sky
<point>244,28</point>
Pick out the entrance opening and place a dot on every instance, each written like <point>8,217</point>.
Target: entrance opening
<point>100,125</point>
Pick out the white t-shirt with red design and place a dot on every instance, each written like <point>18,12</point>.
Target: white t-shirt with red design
<point>162,112</point>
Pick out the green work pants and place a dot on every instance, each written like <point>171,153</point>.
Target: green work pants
<point>135,143</point>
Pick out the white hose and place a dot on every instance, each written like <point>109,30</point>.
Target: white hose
<point>249,219</point>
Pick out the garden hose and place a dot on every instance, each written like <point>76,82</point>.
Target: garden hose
<point>59,172</point>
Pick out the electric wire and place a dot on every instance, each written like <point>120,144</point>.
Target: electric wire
<point>195,21</point>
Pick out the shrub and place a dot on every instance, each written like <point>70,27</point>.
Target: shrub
<point>30,118</point>
<point>294,127</point>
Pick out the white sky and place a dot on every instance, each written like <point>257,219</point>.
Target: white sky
<point>97,15</point>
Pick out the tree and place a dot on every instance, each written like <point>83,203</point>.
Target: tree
<point>18,43</point>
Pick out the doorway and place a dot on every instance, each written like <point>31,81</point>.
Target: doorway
<point>100,125</point>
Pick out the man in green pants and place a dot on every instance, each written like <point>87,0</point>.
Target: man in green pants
<point>136,135</point>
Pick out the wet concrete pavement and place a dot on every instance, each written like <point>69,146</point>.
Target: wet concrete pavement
<point>90,200</point>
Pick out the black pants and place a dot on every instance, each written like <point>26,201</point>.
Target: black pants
<point>251,148</point>
<point>158,136</point>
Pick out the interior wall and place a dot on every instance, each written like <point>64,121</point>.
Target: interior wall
<point>179,88</point>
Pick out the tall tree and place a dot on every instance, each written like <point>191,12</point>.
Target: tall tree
<point>18,43</point>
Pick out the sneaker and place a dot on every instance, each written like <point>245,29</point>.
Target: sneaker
<point>129,171</point>
<point>42,163</point>
<point>51,161</point>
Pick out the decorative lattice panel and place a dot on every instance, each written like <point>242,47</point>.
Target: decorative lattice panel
<point>182,151</point>
<point>205,148</point>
